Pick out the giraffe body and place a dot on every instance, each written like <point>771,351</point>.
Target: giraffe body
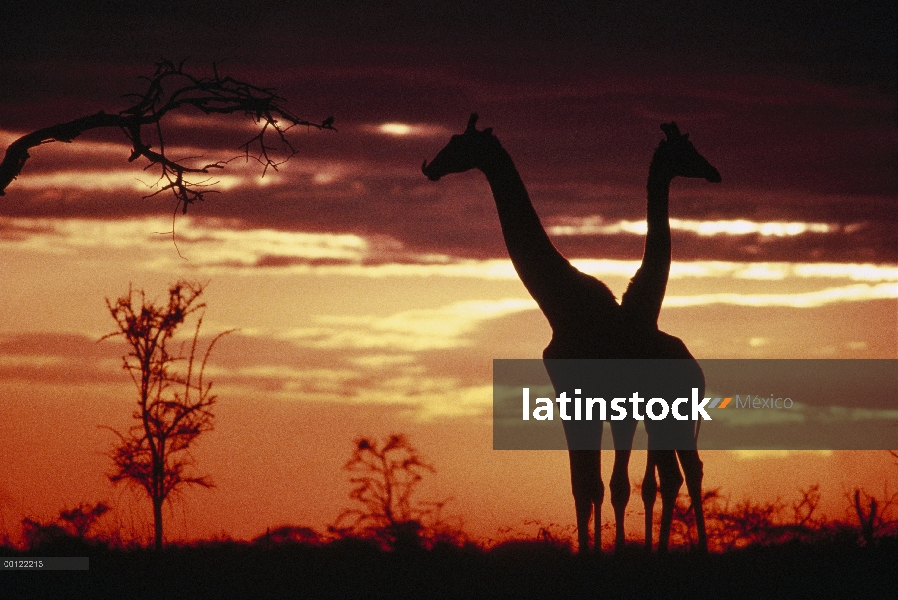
<point>588,323</point>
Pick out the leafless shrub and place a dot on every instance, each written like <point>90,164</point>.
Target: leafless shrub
<point>876,518</point>
<point>748,522</point>
<point>385,478</point>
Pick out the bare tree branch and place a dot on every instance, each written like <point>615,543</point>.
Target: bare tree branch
<point>169,90</point>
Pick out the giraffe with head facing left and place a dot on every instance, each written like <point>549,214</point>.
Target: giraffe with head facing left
<point>588,323</point>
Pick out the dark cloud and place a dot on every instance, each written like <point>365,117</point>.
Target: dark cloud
<point>838,40</point>
<point>59,358</point>
<point>794,105</point>
<point>286,261</point>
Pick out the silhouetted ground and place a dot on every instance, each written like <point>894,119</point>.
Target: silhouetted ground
<point>355,569</point>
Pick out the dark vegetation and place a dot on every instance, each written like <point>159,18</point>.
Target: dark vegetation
<point>353,568</point>
<point>390,544</point>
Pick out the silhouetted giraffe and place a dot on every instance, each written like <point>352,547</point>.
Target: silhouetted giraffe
<point>587,321</point>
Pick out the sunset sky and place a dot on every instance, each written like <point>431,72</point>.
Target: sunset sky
<point>369,300</point>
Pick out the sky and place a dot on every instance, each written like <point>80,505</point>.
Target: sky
<point>368,300</point>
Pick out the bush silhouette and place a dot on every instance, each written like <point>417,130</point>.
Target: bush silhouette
<point>385,478</point>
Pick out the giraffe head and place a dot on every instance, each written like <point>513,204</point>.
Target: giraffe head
<point>677,157</point>
<point>466,151</point>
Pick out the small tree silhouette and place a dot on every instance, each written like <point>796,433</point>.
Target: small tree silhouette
<point>75,523</point>
<point>384,479</point>
<point>81,519</point>
<point>173,408</point>
<point>169,90</point>
<point>876,518</point>
<point>36,534</point>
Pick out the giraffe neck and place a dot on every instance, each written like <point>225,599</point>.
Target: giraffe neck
<point>658,193</point>
<point>661,173</point>
<point>657,253</point>
<point>546,274</point>
<point>528,244</point>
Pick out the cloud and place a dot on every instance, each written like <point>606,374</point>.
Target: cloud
<point>769,454</point>
<point>863,272</point>
<point>850,293</point>
<point>593,225</point>
<point>58,358</point>
<point>332,366</point>
<point>424,396</point>
<point>217,246</point>
<point>407,331</point>
<point>423,130</point>
<point>112,180</point>
<point>581,133</point>
<point>793,187</point>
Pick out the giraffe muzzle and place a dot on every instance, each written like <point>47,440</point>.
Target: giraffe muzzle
<point>429,171</point>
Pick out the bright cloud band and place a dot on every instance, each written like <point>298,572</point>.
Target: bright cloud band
<point>598,226</point>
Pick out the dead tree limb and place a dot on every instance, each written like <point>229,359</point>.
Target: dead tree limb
<point>171,89</point>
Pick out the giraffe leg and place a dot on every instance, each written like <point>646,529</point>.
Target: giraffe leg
<point>620,494</point>
<point>670,482</point>
<point>649,493</point>
<point>589,491</point>
<point>622,432</point>
<point>692,469</point>
<point>583,507</point>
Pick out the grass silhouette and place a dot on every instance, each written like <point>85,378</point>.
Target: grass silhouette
<point>830,566</point>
